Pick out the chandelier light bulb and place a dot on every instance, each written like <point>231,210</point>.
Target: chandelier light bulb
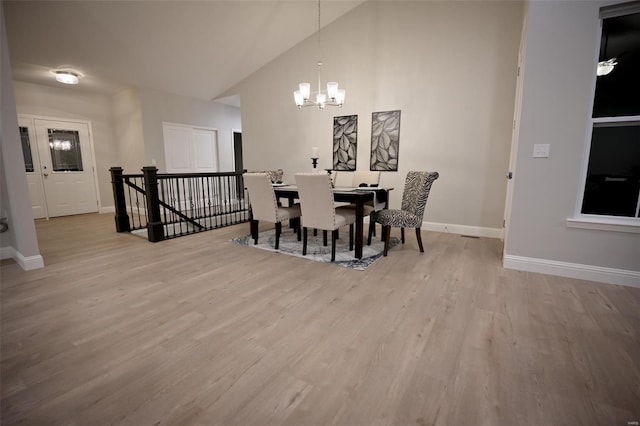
<point>297,96</point>
<point>340,95</point>
<point>332,90</point>
<point>321,99</point>
<point>305,90</point>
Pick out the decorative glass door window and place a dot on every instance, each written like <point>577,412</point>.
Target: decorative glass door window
<point>26,149</point>
<point>64,147</point>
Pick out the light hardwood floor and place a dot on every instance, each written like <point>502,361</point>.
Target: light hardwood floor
<point>200,331</point>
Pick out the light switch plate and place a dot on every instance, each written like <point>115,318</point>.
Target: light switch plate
<point>541,150</point>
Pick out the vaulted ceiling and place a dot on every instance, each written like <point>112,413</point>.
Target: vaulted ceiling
<point>192,48</point>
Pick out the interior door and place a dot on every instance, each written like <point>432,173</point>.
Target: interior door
<point>189,149</point>
<point>515,131</point>
<point>66,166</point>
<point>32,168</point>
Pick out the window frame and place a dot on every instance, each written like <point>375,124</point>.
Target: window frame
<point>592,221</point>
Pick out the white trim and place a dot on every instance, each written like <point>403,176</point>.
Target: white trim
<point>473,231</point>
<point>94,165</point>
<point>617,119</point>
<point>7,252</point>
<point>190,126</point>
<point>29,263</point>
<point>619,9</point>
<point>573,270</point>
<point>605,223</point>
<point>26,263</point>
<point>108,209</point>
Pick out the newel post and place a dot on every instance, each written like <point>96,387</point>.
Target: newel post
<point>122,218</point>
<point>155,230</point>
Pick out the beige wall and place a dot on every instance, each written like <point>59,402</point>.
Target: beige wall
<point>127,125</point>
<point>159,107</point>
<point>450,67</point>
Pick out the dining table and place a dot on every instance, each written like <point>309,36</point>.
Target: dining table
<point>356,196</point>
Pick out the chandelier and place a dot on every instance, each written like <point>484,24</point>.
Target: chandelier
<point>333,96</point>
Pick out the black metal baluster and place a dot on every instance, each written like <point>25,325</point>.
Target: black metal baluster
<point>164,198</point>
<point>130,208</point>
<point>172,190</point>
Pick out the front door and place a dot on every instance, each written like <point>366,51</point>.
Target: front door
<point>66,167</point>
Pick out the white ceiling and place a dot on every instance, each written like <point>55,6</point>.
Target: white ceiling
<point>192,48</point>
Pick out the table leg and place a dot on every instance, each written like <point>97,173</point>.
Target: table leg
<point>359,228</point>
<point>254,229</point>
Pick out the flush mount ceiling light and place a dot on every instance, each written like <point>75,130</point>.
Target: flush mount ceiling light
<point>332,96</point>
<point>66,76</point>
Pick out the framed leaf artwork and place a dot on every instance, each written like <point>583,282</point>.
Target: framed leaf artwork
<point>345,142</point>
<point>385,140</point>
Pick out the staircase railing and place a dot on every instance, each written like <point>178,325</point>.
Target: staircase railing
<point>174,205</point>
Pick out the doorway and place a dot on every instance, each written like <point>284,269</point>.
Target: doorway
<point>237,151</point>
<point>59,166</point>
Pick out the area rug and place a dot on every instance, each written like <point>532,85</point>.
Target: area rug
<point>290,245</point>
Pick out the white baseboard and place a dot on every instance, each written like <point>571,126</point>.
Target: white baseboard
<point>27,263</point>
<point>7,252</point>
<point>473,231</point>
<point>108,209</point>
<point>573,270</point>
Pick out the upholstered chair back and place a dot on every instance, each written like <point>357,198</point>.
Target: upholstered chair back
<point>264,205</point>
<point>365,176</point>
<point>274,175</point>
<point>316,200</point>
<point>416,191</point>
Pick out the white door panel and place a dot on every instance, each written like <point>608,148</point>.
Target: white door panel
<point>66,167</point>
<point>177,145</point>
<point>206,152</point>
<point>190,150</point>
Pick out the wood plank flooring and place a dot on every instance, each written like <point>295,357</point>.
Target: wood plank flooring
<point>200,331</point>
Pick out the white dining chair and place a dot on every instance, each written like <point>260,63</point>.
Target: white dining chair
<point>264,205</point>
<point>319,210</point>
<point>365,176</point>
<point>368,178</point>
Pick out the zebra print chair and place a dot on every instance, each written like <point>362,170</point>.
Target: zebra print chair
<point>414,199</point>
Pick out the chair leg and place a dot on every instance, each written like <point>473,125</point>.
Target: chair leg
<point>402,235</point>
<point>419,237</point>
<point>334,237</point>
<point>278,232</point>
<point>304,240</point>
<point>387,238</point>
<point>324,237</point>
<point>351,237</point>
<point>254,231</point>
<point>372,230</point>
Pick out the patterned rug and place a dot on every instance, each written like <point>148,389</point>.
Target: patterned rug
<point>290,245</point>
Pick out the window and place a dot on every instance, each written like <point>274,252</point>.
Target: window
<point>612,184</point>
<point>64,147</point>
<point>26,149</point>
